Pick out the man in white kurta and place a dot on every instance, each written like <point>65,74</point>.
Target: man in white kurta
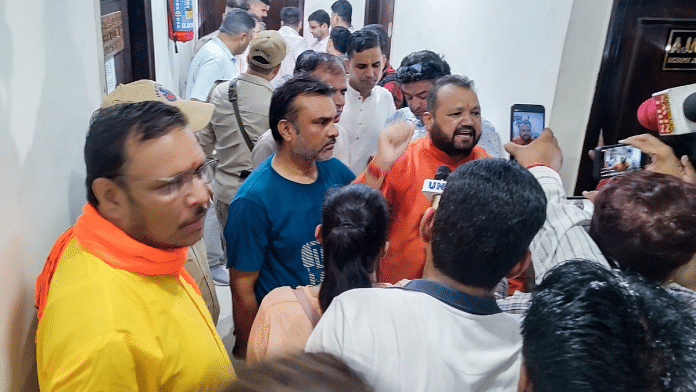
<point>368,106</point>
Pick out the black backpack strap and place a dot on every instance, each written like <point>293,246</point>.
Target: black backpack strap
<point>232,92</point>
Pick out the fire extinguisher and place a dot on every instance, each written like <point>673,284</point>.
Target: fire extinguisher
<point>180,15</point>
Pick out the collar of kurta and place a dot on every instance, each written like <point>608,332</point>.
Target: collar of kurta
<point>112,245</point>
<point>472,304</point>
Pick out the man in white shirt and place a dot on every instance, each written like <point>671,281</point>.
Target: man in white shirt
<point>291,19</point>
<point>368,106</point>
<point>215,60</point>
<point>319,22</point>
<point>445,332</point>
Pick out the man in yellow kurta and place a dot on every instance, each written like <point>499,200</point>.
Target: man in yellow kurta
<point>117,310</point>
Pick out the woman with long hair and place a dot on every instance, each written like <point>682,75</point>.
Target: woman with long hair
<point>353,234</point>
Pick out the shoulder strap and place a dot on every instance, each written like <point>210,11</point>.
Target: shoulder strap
<point>215,84</point>
<point>312,313</point>
<point>232,92</point>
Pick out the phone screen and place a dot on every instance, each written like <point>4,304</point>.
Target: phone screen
<point>526,126</point>
<point>619,159</point>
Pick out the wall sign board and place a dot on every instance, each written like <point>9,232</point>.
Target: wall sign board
<point>112,33</point>
<point>680,51</point>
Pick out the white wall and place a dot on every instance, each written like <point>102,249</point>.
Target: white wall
<point>50,83</point>
<point>511,49</point>
<point>171,68</point>
<point>577,79</point>
<point>310,6</point>
<point>516,52</point>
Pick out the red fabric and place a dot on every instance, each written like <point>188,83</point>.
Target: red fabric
<point>402,189</point>
<point>602,183</point>
<point>112,245</point>
<point>647,114</point>
<point>537,165</point>
<point>393,86</point>
<point>518,140</point>
<point>516,284</point>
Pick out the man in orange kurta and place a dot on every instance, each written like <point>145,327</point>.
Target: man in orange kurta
<point>453,122</point>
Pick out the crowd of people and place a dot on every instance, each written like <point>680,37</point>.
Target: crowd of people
<point>343,274</point>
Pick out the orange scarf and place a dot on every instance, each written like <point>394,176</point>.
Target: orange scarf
<point>112,245</point>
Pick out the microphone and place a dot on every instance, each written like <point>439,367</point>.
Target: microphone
<point>670,112</point>
<point>432,189</point>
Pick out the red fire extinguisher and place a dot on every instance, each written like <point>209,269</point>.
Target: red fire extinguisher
<point>180,15</point>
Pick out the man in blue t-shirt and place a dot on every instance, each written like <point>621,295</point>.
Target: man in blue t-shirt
<point>271,222</point>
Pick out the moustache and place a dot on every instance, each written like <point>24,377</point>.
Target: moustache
<point>465,129</point>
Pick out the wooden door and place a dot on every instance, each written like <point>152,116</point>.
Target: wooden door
<point>273,18</point>
<point>381,12</point>
<point>209,16</point>
<point>127,36</point>
<point>633,68</point>
<point>114,16</point>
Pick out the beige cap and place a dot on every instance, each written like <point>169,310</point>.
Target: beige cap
<point>197,114</point>
<point>267,50</point>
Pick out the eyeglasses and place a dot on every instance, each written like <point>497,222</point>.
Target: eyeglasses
<point>181,183</point>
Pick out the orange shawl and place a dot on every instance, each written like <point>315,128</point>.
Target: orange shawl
<point>112,245</point>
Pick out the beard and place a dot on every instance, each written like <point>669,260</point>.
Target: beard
<point>303,151</point>
<point>449,144</point>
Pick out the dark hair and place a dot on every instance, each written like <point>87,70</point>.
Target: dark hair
<point>646,222</point>
<point>380,33</point>
<point>344,10</point>
<point>316,372</point>
<point>308,61</point>
<point>283,99</point>
<point>237,21</point>
<point>110,127</point>
<point>422,65</point>
<point>489,212</point>
<point>320,16</point>
<point>524,122</point>
<point>340,36</point>
<point>592,329</point>
<point>243,4</point>
<point>362,40</point>
<point>457,80</point>
<point>354,222</point>
<point>290,16</point>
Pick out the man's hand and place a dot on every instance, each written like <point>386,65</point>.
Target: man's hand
<point>543,150</point>
<point>393,142</point>
<point>663,159</point>
<point>244,307</point>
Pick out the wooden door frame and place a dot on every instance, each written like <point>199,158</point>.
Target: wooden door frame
<point>627,19</point>
<point>381,12</point>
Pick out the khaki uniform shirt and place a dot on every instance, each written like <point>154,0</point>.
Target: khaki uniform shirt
<point>223,134</point>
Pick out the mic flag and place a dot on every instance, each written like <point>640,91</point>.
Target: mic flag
<point>432,189</point>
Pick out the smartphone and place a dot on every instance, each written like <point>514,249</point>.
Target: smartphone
<point>612,160</point>
<point>526,123</point>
